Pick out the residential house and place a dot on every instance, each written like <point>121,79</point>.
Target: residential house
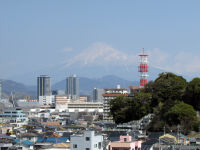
<point>88,141</point>
<point>125,143</point>
<point>29,136</point>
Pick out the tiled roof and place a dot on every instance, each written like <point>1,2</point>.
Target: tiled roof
<point>114,95</point>
<point>61,145</point>
<point>116,89</point>
<point>29,135</point>
<point>51,123</point>
<point>56,135</point>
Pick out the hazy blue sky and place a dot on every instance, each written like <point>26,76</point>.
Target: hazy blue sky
<point>42,34</point>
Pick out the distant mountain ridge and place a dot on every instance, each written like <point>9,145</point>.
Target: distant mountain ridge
<point>86,85</point>
<point>17,88</point>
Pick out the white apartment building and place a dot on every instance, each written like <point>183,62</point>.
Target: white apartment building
<point>85,107</point>
<point>88,141</point>
<point>47,100</point>
<point>39,112</point>
<point>108,95</point>
<point>61,102</point>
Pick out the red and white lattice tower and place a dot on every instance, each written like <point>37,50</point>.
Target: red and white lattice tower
<point>143,69</point>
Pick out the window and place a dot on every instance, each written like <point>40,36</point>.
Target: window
<point>87,149</point>
<point>125,139</point>
<point>95,145</point>
<point>75,146</point>
<point>99,145</point>
<point>87,138</point>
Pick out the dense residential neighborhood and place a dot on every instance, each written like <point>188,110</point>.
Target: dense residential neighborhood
<point>69,121</point>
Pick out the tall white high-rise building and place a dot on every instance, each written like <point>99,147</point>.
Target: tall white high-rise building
<point>72,87</point>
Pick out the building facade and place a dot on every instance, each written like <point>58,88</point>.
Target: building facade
<point>125,143</point>
<point>108,95</point>
<point>12,115</point>
<point>47,101</point>
<point>97,95</point>
<point>72,87</point>
<point>87,141</point>
<point>43,86</point>
<point>85,107</point>
<point>61,102</point>
<point>0,91</point>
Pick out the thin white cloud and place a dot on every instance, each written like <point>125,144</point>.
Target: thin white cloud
<point>181,63</point>
<point>101,54</point>
<point>158,58</point>
<point>186,63</point>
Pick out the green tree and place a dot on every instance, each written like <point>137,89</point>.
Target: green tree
<point>144,101</point>
<point>125,109</point>
<point>192,93</point>
<point>167,91</point>
<point>169,86</point>
<point>117,108</point>
<point>181,114</point>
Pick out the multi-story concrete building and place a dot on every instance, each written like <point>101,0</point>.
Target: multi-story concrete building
<point>24,103</point>
<point>88,141</point>
<point>47,101</point>
<point>85,107</point>
<point>43,86</point>
<point>12,115</point>
<point>1,107</point>
<point>97,95</point>
<point>72,87</point>
<point>61,102</point>
<point>0,91</point>
<point>108,95</point>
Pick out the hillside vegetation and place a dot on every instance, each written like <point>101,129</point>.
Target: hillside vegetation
<point>172,99</point>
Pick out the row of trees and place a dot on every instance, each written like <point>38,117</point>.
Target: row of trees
<point>172,99</point>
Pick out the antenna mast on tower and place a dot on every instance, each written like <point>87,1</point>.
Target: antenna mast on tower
<point>143,69</point>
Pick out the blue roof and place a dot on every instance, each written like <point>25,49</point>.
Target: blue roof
<point>27,142</point>
<point>38,127</point>
<point>16,140</point>
<point>52,139</point>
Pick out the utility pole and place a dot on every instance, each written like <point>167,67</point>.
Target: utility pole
<point>164,130</point>
<point>178,130</point>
